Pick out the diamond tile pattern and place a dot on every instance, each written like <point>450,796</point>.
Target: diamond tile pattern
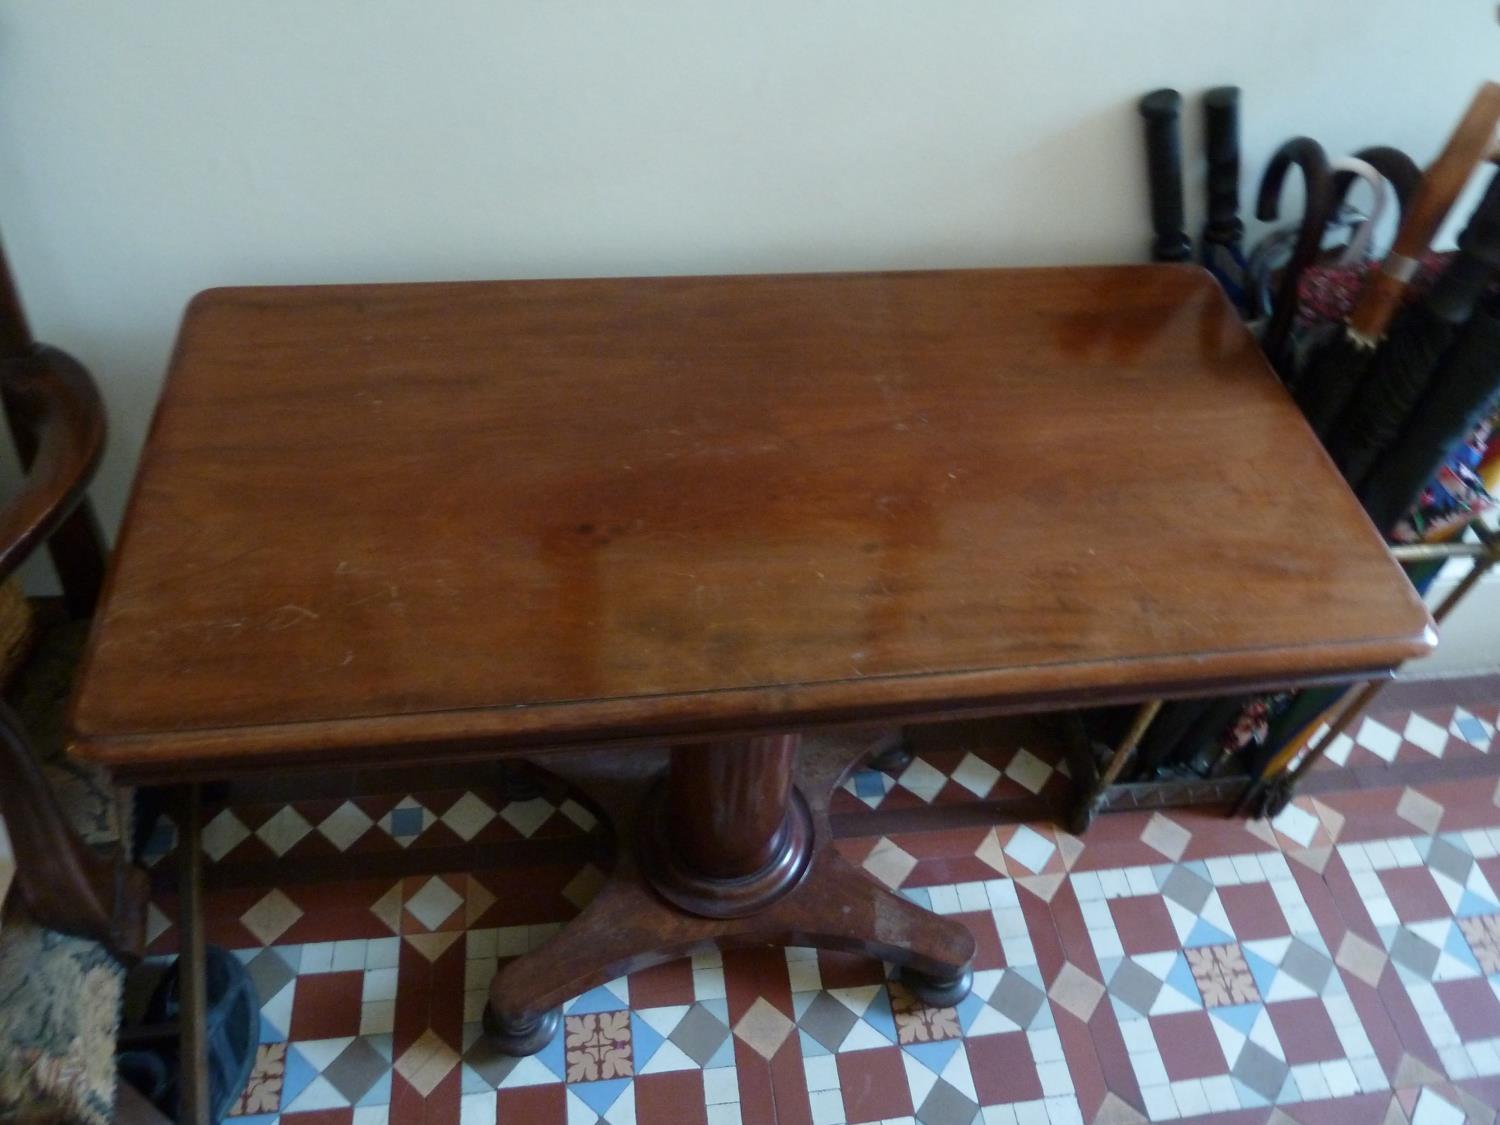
<point>1341,963</point>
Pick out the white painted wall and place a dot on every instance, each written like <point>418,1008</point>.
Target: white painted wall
<point>153,148</point>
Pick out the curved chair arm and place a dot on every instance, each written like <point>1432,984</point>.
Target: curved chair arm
<point>55,407</point>
<point>66,885</point>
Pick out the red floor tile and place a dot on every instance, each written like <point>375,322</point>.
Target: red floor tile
<point>1189,1047</point>
<point>1144,924</point>
<point>543,1105</point>
<point>1003,1068</point>
<point>874,1084</point>
<point>1472,1006</point>
<point>1253,911</point>
<point>1413,894</point>
<point>676,1097</point>
<point>1305,1031</point>
<point>662,985</point>
<point>326,1006</point>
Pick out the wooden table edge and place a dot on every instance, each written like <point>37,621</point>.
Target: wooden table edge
<point>433,736</point>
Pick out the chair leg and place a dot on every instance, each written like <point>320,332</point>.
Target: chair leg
<point>65,884</point>
<point>193,1081</point>
<point>78,554</point>
<point>132,1108</point>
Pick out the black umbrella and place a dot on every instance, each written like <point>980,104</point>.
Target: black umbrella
<point>1403,365</point>
<point>1167,732</point>
<point>1307,155</point>
<point>1223,233</point>
<point>1161,110</point>
<point>1464,392</point>
<point>1334,372</point>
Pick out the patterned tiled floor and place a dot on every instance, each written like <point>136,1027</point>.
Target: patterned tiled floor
<point>1339,965</point>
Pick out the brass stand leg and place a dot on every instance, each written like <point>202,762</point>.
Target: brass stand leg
<point>1088,807</point>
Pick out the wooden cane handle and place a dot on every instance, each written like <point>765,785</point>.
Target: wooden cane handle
<point>1441,184</point>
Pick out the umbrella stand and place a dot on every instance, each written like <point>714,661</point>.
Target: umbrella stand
<point>1267,791</point>
<point>1276,783</point>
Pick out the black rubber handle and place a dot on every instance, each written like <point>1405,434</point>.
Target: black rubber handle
<point>1162,111</point>
<point>1221,118</point>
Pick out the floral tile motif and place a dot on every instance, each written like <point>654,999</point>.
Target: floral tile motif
<point>916,1022</point>
<point>1483,936</point>
<point>263,1092</point>
<point>597,1045</point>
<point>1222,975</point>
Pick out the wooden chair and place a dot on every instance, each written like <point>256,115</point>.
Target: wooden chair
<point>76,913</point>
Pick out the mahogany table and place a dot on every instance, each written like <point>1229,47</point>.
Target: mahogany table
<point>421,523</point>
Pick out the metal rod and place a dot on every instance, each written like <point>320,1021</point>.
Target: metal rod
<point>1429,552</point>
<point>192,963</point>
<point>1485,555</point>
<point>1469,581</point>
<point>1356,707</point>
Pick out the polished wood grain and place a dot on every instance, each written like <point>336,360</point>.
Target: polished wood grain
<point>419,521</point>
<point>740,832</point>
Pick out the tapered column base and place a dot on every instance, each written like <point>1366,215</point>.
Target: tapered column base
<point>632,924</point>
<point>674,878</point>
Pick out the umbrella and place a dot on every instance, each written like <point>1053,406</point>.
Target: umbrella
<point>1307,155</point>
<point>1398,170</point>
<point>1335,371</point>
<point>1402,366</point>
<point>1161,110</point>
<point>1167,732</point>
<point>1464,392</point>
<point>1223,233</point>
<point>1276,249</point>
<point>1363,224</point>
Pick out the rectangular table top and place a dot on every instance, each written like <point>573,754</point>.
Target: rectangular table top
<point>422,519</point>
